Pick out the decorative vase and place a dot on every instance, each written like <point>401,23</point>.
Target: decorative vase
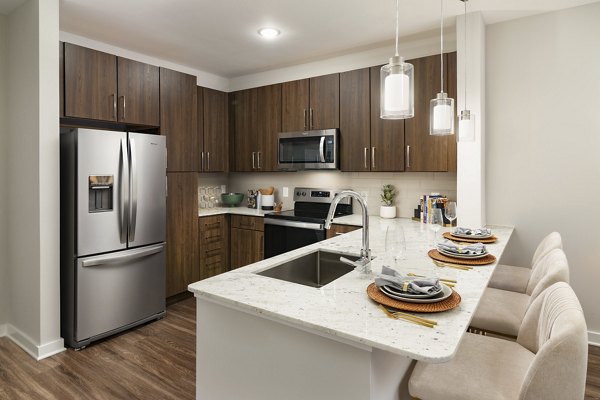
<point>387,211</point>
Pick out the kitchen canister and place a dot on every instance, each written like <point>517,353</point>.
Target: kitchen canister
<point>267,202</point>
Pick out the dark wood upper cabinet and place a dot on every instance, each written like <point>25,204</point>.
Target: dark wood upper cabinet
<point>387,135</point>
<point>138,93</point>
<point>355,141</point>
<point>61,77</point>
<point>90,83</point>
<point>311,103</point>
<point>324,112</point>
<point>269,125</point>
<point>423,151</point>
<point>212,122</point>
<point>295,105</point>
<point>452,92</point>
<point>178,121</point>
<point>244,105</point>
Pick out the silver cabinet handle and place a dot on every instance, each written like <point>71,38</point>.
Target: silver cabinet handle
<point>408,156</point>
<point>114,101</point>
<point>311,118</point>
<point>201,161</point>
<point>253,155</point>
<point>120,258</point>
<point>305,118</point>
<point>365,157</point>
<point>258,160</point>
<point>208,160</point>
<point>124,190</point>
<point>373,157</point>
<point>133,189</point>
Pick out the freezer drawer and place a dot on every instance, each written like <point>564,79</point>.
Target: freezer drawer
<point>118,289</point>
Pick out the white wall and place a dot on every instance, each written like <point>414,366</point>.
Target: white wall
<point>32,181</point>
<point>410,185</point>
<point>4,298</point>
<point>543,139</point>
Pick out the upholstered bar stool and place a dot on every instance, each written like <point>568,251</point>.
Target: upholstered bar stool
<point>501,311</point>
<point>515,279</point>
<point>548,361</point>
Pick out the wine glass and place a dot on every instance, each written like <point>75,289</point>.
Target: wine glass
<point>436,221</point>
<point>395,243</point>
<point>450,211</point>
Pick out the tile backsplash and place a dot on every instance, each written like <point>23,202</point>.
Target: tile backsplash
<point>410,186</point>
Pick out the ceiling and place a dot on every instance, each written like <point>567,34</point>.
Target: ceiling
<point>220,36</point>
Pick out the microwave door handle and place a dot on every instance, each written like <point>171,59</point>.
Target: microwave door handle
<point>322,149</point>
<point>123,191</point>
<point>133,189</point>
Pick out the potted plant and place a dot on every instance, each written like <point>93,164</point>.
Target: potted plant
<point>387,209</point>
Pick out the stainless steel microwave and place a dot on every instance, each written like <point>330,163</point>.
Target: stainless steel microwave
<point>308,150</point>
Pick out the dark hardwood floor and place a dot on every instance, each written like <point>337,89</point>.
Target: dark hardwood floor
<point>154,361</point>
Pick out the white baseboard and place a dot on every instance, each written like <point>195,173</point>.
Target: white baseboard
<point>27,344</point>
<point>594,338</point>
<point>2,330</point>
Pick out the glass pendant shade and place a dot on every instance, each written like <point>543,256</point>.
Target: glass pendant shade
<point>397,96</point>
<point>466,127</point>
<point>441,115</point>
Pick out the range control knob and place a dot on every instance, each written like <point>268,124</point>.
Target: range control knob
<point>297,193</point>
<point>303,193</point>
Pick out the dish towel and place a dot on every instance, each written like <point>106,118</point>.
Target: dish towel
<point>390,277</point>
<point>475,232</point>
<point>451,247</point>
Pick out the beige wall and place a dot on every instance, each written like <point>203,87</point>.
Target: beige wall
<point>410,185</point>
<point>543,139</point>
<point>4,297</point>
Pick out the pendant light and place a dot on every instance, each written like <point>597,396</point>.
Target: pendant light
<point>397,94</point>
<point>441,113</point>
<point>466,120</point>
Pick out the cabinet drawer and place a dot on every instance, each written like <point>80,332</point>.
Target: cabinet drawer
<point>247,222</point>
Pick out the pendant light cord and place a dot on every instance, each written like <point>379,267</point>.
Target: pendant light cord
<point>442,44</point>
<point>397,28</point>
<point>466,61</point>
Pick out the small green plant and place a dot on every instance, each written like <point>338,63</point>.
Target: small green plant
<point>388,192</point>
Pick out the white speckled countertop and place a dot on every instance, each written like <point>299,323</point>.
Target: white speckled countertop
<point>240,210</point>
<point>342,308</point>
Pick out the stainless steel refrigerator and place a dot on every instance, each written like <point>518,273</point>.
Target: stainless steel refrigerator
<point>113,217</point>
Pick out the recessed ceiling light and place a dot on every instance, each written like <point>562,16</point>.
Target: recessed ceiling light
<point>269,33</point>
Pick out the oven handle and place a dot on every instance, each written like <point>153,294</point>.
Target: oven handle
<point>322,148</point>
<point>294,224</point>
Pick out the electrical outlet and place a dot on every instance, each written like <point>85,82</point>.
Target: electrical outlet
<point>284,191</point>
<point>364,194</point>
<point>223,188</point>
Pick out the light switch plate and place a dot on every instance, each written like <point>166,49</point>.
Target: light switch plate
<point>284,191</point>
<point>223,188</point>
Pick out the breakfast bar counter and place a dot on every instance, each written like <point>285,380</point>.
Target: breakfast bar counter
<point>265,338</point>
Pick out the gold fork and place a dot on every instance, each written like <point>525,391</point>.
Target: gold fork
<point>408,317</point>
<point>456,266</point>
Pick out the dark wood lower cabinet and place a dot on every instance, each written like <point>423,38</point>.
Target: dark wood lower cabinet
<point>214,245</point>
<point>182,231</point>
<point>247,240</point>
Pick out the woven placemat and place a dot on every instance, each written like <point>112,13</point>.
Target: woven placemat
<point>450,236</point>
<point>376,295</point>
<point>436,255</point>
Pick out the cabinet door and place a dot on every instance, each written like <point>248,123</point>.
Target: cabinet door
<point>269,125</point>
<point>90,83</point>
<point>216,138</point>
<point>387,135</point>
<point>423,151</point>
<point>295,105</point>
<point>324,110</point>
<point>354,120</point>
<point>138,99</point>
<point>246,247</point>
<point>178,119</point>
<point>452,92</point>
<point>61,76</point>
<point>243,106</point>
<point>200,127</point>
<point>182,231</point>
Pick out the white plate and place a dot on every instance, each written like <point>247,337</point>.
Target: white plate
<point>398,293</point>
<point>464,236</point>
<point>464,256</point>
<point>443,295</point>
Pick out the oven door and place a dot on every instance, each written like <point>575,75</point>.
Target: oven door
<point>283,235</point>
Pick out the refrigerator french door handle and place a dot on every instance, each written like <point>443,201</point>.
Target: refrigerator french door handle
<point>133,189</point>
<point>322,148</point>
<point>119,258</point>
<point>123,191</point>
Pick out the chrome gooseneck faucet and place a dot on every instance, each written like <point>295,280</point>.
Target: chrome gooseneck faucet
<point>364,262</point>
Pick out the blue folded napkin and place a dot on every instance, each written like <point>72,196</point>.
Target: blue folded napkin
<point>451,247</point>
<point>390,277</point>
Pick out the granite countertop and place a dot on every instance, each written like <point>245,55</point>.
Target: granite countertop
<point>342,310</point>
<point>240,210</point>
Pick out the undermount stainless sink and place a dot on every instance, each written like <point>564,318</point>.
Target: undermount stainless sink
<point>315,269</point>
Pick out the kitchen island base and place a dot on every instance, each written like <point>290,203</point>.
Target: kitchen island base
<point>245,356</point>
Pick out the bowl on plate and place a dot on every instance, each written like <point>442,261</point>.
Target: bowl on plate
<point>231,199</point>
